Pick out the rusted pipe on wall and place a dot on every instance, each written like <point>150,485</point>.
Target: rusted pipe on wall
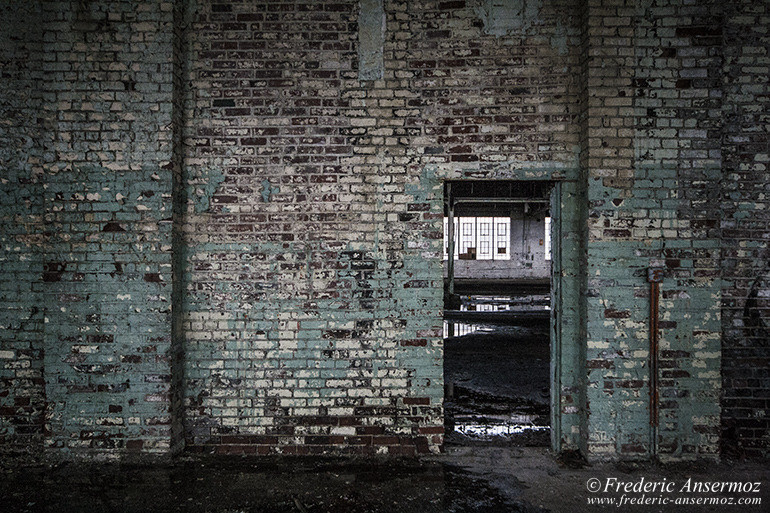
<point>654,276</point>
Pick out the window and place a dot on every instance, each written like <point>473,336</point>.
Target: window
<point>501,236</point>
<point>468,235</point>
<point>479,238</point>
<point>484,238</point>
<point>547,238</point>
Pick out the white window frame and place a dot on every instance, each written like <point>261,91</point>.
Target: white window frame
<point>470,233</point>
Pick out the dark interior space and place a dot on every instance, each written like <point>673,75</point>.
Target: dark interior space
<point>497,383</point>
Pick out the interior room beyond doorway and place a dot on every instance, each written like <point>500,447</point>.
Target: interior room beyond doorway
<point>497,290</point>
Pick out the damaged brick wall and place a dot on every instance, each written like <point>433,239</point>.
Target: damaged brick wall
<point>22,391</point>
<point>99,265</point>
<point>677,117</point>
<point>108,206</point>
<point>653,172</point>
<point>501,100</point>
<point>745,231</point>
<point>307,306</point>
<point>314,219</point>
<point>231,159</point>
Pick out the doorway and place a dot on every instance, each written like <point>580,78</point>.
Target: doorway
<point>498,319</point>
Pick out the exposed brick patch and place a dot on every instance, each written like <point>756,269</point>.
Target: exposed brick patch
<point>96,193</point>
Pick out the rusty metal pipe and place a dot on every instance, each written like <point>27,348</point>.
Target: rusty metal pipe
<point>654,276</point>
<point>654,306</point>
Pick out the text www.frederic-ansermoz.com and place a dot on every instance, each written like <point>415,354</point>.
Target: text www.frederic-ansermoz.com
<point>612,491</point>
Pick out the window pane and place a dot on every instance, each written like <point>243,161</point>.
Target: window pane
<point>502,238</point>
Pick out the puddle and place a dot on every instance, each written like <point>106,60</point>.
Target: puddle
<point>490,314</point>
<point>496,369</point>
<point>491,430</point>
<point>474,418</point>
<point>504,303</point>
<point>460,329</point>
<point>487,427</point>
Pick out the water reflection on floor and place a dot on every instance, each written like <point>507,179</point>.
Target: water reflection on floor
<point>491,426</point>
<point>497,370</point>
<point>510,305</point>
<point>458,329</point>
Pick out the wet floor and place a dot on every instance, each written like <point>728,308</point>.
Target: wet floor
<point>496,370</point>
<point>249,485</point>
<point>464,479</point>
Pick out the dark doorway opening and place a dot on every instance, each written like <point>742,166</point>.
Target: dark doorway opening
<point>497,312</point>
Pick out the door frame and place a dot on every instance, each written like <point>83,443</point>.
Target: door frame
<point>556,288</point>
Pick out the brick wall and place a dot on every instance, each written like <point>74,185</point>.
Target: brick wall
<point>107,205</point>
<point>745,229</point>
<point>99,267</point>
<point>653,182</point>
<point>315,274</point>
<point>22,392</point>
<point>232,159</point>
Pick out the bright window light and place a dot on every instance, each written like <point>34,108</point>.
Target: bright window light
<point>485,238</point>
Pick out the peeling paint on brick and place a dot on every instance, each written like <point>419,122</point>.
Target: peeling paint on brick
<point>219,231</point>
<point>371,39</point>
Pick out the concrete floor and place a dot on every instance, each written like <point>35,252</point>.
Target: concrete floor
<point>533,479</point>
<point>253,485</point>
<point>465,479</point>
